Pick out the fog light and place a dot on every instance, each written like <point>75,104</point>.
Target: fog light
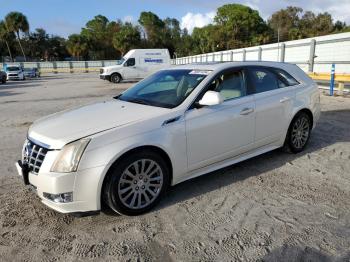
<point>60,198</point>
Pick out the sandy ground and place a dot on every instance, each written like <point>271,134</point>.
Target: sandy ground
<point>275,207</point>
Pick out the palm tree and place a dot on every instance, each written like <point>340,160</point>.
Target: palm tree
<point>17,22</point>
<point>77,45</point>
<point>5,36</point>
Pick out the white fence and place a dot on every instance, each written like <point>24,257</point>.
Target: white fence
<point>312,54</point>
<point>64,66</point>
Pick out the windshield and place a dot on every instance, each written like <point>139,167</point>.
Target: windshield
<point>13,68</point>
<point>166,88</point>
<point>121,61</point>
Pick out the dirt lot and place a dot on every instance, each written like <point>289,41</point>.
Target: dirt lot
<point>275,207</point>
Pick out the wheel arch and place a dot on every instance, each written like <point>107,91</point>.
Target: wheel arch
<point>117,73</point>
<point>120,158</point>
<point>303,110</point>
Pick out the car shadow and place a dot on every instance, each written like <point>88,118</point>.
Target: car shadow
<point>330,129</point>
<point>338,121</point>
<point>17,84</point>
<point>297,254</point>
<point>8,93</point>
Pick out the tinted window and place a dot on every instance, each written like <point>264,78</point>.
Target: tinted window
<point>130,62</point>
<point>263,80</point>
<point>286,78</point>
<point>166,88</point>
<point>230,85</point>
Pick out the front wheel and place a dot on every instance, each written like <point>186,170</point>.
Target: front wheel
<point>116,78</point>
<point>298,133</point>
<point>136,184</point>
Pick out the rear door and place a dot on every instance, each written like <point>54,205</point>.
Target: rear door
<point>273,105</point>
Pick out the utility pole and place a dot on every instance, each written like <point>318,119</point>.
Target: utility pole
<point>278,44</point>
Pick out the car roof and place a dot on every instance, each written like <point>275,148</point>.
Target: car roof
<point>225,65</point>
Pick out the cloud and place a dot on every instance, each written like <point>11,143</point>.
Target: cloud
<point>128,19</point>
<point>338,9</point>
<point>191,20</point>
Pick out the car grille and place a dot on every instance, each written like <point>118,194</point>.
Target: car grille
<point>101,71</point>
<point>13,74</point>
<point>33,156</point>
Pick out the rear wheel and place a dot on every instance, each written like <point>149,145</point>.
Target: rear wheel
<point>116,78</point>
<point>136,184</point>
<point>298,133</point>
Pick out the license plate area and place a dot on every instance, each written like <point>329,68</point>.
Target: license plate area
<point>23,171</point>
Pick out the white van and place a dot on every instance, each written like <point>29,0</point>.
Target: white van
<point>136,64</point>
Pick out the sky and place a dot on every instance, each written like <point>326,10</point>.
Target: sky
<point>65,17</point>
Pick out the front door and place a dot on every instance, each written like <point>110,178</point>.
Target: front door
<point>130,70</point>
<point>216,133</point>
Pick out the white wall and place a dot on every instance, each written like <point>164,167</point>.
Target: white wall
<point>329,49</point>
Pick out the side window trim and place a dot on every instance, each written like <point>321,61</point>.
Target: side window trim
<point>205,89</point>
<point>275,71</point>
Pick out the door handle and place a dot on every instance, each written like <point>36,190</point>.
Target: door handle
<point>246,111</point>
<point>284,99</point>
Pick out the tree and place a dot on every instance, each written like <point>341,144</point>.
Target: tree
<point>99,35</point>
<point>5,36</point>
<point>56,48</point>
<point>323,24</point>
<point>285,23</point>
<point>339,26</point>
<point>17,22</point>
<point>306,25</point>
<point>238,25</point>
<point>77,45</point>
<point>154,28</point>
<point>172,34</point>
<point>207,39</point>
<point>127,38</point>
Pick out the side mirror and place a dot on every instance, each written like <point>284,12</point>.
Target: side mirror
<point>211,98</point>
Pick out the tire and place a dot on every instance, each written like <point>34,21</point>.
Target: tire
<point>116,78</point>
<point>3,80</point>
<point>298,133</point>
<point>136,183</point>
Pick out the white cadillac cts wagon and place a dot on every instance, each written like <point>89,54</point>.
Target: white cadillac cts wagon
<point>174,125</point>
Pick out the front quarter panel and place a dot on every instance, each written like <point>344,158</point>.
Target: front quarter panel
<point>106,148</point>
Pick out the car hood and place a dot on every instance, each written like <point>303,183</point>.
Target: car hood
<point>61,128</point>
<point>112,67</point>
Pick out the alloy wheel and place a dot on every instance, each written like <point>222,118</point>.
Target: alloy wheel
<point>140,183</point>
<point>300,132</point>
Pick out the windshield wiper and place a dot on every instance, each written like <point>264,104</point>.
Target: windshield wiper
<point>138,101</point>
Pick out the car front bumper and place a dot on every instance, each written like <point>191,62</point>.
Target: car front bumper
<point>105,77</point>
<point>84,186</point>
<point>13,78</point>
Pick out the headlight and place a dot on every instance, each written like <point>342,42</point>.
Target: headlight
<point>69,157</point>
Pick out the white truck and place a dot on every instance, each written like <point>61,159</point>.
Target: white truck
<point>136,64</point>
